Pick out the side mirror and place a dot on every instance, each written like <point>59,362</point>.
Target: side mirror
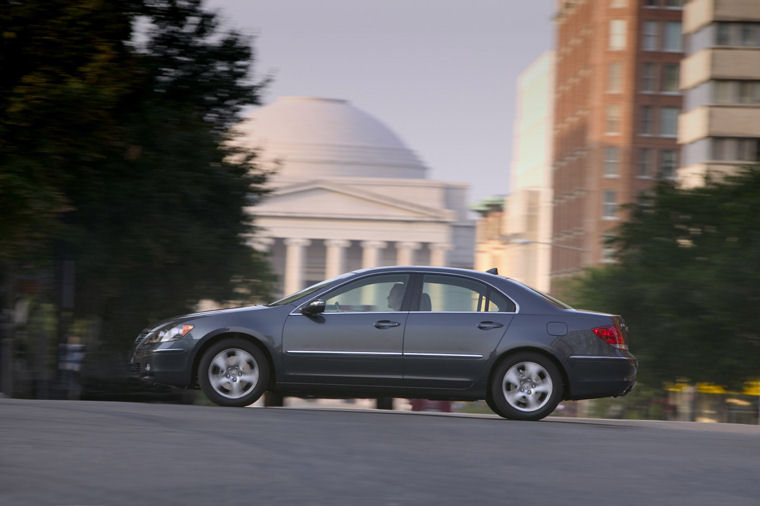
<point>314,307</point>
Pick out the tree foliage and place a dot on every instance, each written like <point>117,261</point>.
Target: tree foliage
<point>116,153</point>
<point>687,281</point>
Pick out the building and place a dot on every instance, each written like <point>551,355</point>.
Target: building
<point>616,112</point>
<point>719,129</point>
<point>348,194</point>
<point>514,233</point>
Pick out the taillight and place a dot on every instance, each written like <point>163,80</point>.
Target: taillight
<point>612,335</point>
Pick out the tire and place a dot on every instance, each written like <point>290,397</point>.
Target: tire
<point>233,372</point>
<point>489,402</point>
<point>526,386</point>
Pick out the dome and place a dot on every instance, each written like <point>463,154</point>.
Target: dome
<point>321,137</point>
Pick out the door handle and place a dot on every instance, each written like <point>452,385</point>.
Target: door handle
<point>489,325</point>
<point>386,324</point>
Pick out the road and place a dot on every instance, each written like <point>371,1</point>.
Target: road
<point>67,453</point>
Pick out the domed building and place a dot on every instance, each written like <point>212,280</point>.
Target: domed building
<point>348,194</point>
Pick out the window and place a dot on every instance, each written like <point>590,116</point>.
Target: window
<point>613,119</point>
<point>650,36</point>
<point>375,294</point>
<point>732,149</point>
<point>673,40</point>
<point>647,120</point>
<point>748,150</point>
<point>749,34</point>
<point>608,248</point>
<point>609,206</point>
<point>452,293</point>
<point>724,92</point>
<point>722,148</point>
<point>648,77</point>
<point>736,92</point>
<point>749,92</point>
<point>617,35</point>
<point>614,77</point>
<point>745,92</point>
<point>668,121</point>
<point>738,34</point>
<point>611,161</point>
<point>670,77</point>
<point>645,163</point>
<point>668,162</point>
<point>723,34</point>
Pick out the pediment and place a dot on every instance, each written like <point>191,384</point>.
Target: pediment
<point>325,200</point>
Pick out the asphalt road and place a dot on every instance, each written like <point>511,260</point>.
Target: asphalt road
<point>68,453</point>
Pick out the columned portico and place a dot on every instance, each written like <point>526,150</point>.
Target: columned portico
<point>296,266</point>
<point>335,257</point>
<point>294,263</point>
<point>371,253</point>
<point>405,252</point>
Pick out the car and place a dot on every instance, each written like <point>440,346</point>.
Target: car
<point>414,332</point>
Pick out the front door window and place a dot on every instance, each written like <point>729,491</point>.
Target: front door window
<point>376,294</point>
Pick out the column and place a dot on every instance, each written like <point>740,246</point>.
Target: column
<point>294,264</point>
<point>335,260</point>
<point>405,252</point>
<point>371,253</point>
<point>438,254</point>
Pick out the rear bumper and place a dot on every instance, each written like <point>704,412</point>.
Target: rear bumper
<point>594,376</point>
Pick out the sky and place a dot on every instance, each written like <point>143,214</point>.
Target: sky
<point>441,74</point>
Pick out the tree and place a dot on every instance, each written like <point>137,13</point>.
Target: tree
<point>116,153</point>
<point>687,281</point>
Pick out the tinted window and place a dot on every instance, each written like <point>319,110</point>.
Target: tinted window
<point>374,294</point>
<point>453,293</point>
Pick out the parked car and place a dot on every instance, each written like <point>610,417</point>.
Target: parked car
<point>414,332</point>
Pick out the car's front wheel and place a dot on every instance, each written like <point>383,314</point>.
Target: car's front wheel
<point>233,372</point>
<point>526,386</point>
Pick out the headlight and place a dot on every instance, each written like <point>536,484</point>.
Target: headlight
<point>172,333</point>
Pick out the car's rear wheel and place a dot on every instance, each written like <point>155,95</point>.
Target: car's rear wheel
<point>233,372</point>
<point>526,386</point>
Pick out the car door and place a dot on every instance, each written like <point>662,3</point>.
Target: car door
<point>450,338</point>
<point>357,340</point>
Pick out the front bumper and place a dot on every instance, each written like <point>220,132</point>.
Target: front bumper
<point>601,376</point>
<point>166,363</point>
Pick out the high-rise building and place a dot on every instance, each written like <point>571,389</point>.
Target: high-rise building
<point>617,102</point>
<point>515,232</point>
<point>719,129</point>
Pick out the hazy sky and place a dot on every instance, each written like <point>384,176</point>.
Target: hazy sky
<point>440,73</point>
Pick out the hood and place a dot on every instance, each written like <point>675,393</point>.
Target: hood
<point>203,314</point>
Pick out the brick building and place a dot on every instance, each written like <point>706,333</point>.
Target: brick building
<point>616,112</point>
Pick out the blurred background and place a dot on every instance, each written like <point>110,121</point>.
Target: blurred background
<point>603,151</point>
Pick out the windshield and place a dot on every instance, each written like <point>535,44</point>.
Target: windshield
<point>306,291</point>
